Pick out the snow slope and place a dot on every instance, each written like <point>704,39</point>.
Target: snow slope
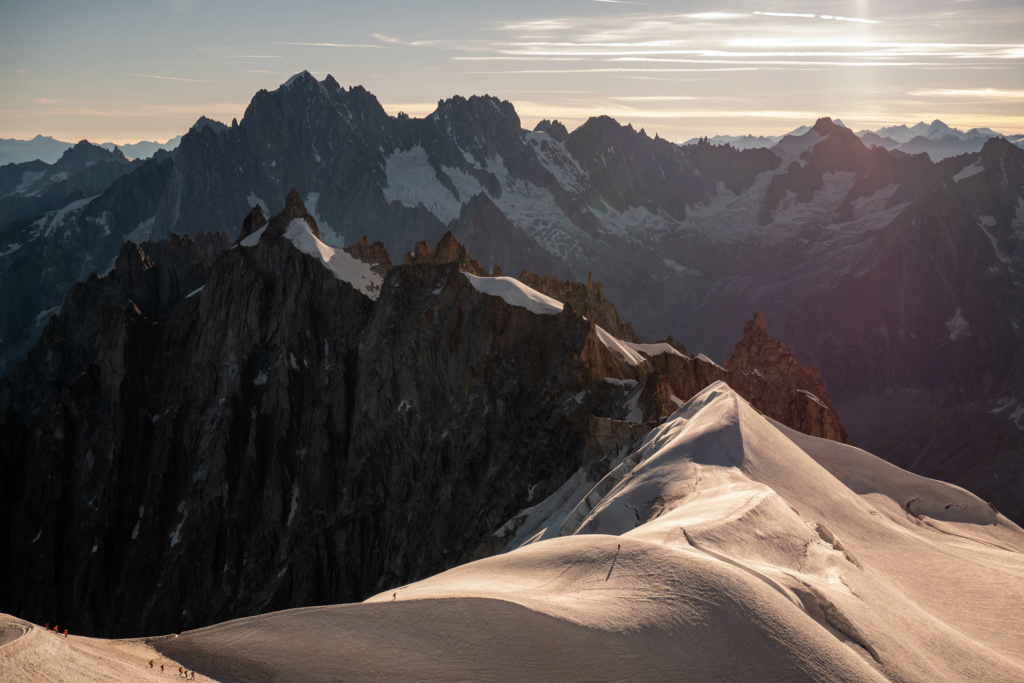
<point>726,548</point>
<point>30,653</point>
<point>515,293</point>
<point>344,266</point>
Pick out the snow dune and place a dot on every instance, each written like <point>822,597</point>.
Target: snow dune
<point>725,548</point>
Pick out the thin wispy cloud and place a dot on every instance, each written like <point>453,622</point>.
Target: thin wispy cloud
<point>366,45</point>
<point>174,78</point>
<point>995,93</point>
<point>655,98</point>
<point>826,17</point>
<point>406,43</point>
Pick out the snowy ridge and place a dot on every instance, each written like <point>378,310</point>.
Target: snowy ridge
<point>344,266</point>
<point>655,349</point>
<point>725,544</point>
<point>515,293</point>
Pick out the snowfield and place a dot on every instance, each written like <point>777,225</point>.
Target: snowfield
<point>725,548</point>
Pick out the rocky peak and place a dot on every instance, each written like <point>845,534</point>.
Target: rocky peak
<point>824,126</point>
<point>998,147</point>
<point>447,250</point>
<point>252,222</point>
<point>133,262</point>
<point>204,122</point>
<point>767,374</point>
<point>375,254</point>
<point>293,208</point>
<point>555,129</point>
<point>85,153</point>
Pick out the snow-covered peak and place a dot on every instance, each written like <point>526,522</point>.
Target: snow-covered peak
<point>302,75</point>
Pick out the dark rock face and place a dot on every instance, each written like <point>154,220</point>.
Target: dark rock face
<point>587,299</point>
<point>32,188</point>
<point>55,250</point>
<point>266,441</point>
<point>253,222</point>
<point>486,232</point>
<point>209,432</point>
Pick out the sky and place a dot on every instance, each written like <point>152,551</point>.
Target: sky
<point>129,70</point>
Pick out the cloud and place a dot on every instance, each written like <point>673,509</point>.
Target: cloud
<point>717,16</point>
<point>175,78</point>
<point>406,43</point>
<point>655,98</point>
<point>827,17</point>
<point>367,45</point>
<point>994,93</point>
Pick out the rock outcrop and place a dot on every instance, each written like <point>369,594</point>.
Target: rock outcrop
<point>765,372</point>
<point>587,299</point>
<point>375,254</point>
<point>446,251</point>
<point>253,222</point>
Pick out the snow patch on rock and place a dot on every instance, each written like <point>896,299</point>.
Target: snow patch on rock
<point>957,326</point>
<point>968,171</point>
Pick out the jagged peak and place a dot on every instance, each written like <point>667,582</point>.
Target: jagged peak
<point>555,129</point>
<point>132,258</point>
<point>484,106</point>
<point>85,151</point>
<point>375,254</point>
<point>755,327</point>
<point>252,222</point>
<point>447,250</point>
<point>998,146</point>
<point>301,77</point>
<point>824,126</point>
<point>204,122</point>
<point>293,208</point>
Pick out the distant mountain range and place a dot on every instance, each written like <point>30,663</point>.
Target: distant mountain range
<point>49,150</point>
<point>936,139</point>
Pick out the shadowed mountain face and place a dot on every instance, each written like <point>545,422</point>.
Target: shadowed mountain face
<point>898,277</point>
<point>210,432</point>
